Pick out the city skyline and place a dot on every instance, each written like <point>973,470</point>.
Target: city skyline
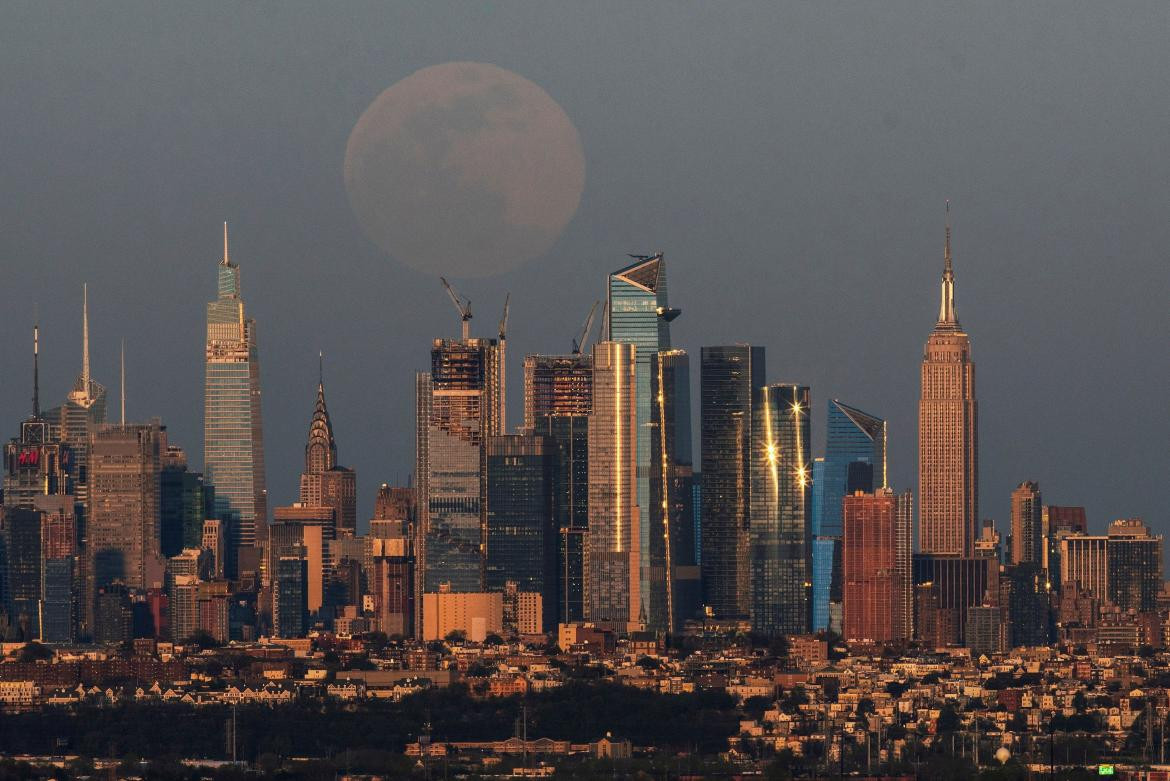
<point>996,108</point>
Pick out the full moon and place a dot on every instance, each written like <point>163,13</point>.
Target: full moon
<point>464,169</point>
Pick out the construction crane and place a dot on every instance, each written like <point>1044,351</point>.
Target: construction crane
<point>579,342</point>
<point>503,334</point>
<point>464,308</point>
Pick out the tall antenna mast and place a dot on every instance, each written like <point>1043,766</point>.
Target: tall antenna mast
<point>36,399</point>
<point>85,339</point>
<point>123,383</point>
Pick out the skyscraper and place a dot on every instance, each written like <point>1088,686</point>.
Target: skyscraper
<point>948,450</point>
<point>1057,521</point>
<point>558,397</point>
<point>1122,568</point>
<point>60,590</point>
<point>556,385</point>
<point>855,460</point>
<point>83,411</point>
<point>779,534</point>
<point>290,595</point>
<point>125,466</point>
<point>521,535</point>
<point>457,411</point>
<point>324,482</point>
<point>1027,531</point>
<point>672,550</point>
<point>639,314</point>
<point>21,539</point>
<point>877,584</point>
<point>613,543</point>
<point>729,380</point>
<point>233,439</point>
<point>182,503</point>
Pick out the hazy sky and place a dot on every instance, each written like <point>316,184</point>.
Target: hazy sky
<point>790,159</point>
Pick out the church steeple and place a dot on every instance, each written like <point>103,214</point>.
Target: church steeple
<point>946,308</point>
<point>320,450</point>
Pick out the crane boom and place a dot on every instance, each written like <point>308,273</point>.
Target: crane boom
<point>463,307</point>
<point>503,334</point>
<point>579,342</point>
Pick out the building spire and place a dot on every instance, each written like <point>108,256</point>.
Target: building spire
<point>123,383</point>
<point>226,258</point>
<point>320,449</point>
<point>946,308</point>
<point>36,399</point>
<point>85,339</point>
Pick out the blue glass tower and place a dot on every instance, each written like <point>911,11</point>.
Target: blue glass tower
<point>855,460</point>
<point>640,315</point>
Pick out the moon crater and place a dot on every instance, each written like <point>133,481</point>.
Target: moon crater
<point>464,169</point>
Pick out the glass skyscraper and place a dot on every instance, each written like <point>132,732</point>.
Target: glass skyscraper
<point>612,548</point>
<point>855,460</point>
<point>779,535</point>
<point>558,397</point>
<point>672,552</point>
<point>730,377</point>
<point>639,314</point>
<point>233,442</point>
<point>457,411</point>
<point>521,535</point>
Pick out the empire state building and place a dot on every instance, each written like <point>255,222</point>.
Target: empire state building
<point>948,432</point>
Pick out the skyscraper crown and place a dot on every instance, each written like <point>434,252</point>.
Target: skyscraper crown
<point>947,319</point>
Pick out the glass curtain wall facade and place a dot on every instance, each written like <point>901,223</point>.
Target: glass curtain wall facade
<point>569,438</point>
<point>558,397</point>
<point>779,536</point>
<point>458,411</point>
<point>639,314</point>
<point>730,377</point>
<point>854,438</point>
<point>673,551</point>
<point>521,535</point>
<point>233,440</point>
<point>613,543</point>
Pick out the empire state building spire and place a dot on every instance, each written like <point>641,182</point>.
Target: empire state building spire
<point>946,307</point>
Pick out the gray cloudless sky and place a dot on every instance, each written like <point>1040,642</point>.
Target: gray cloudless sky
<point>791,159</point>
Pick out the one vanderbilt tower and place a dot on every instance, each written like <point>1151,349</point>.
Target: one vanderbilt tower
<point>948,444</point>
<point>233,444</point>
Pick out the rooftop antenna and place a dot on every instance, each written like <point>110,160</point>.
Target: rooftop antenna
<point>123,383</point>
<point>226,260</point>
<point>503,334</point>
<point>579,342</point>
<point>463,306</point>
<point>85,339</point>
<point>36,399</point>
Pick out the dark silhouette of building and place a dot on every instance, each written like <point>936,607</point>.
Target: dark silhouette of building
<point>729,380</point>
<point>290,590</point>
<point>521,535</point>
